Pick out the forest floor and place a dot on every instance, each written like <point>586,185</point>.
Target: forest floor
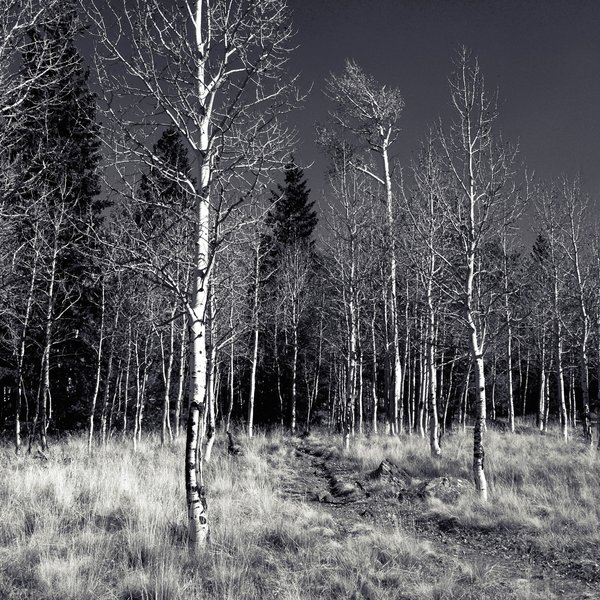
<point>500,560</point>
<point>299,518</point>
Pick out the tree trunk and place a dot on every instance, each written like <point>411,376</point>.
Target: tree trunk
<point>422,392</point>
<point>561,382</point>
<point>194,478</point>
<point>278,369</point>
<point>542,396</point>
<point>255,324</point>
<point>434,438</point>
<point>167,369</point>
<point>449,394</point>
<point>493,390</point>
<point>138,391</point>
<point>413,392</point>
<point>22,347</point>
<point>511,402</point>
<point>127,375</point>
<point>115,411</point>
<point>103,416</point>
<point>525,386</point>
<point>294,372</point>
<point>397,368</point>
<point>315,387</point>
<point>180,376</point>
<point>209,427</point>
<point>231,383</point>
<point>477,359</point>
<point>374,380</point>
<point>558,353</point>
<point>49,318</point>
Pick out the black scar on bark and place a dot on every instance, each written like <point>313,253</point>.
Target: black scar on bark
<point>202,494</point>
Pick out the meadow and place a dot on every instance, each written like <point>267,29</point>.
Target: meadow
<point>111,525</point>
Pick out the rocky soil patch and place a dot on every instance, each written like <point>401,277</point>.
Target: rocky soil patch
<point>389,496</point>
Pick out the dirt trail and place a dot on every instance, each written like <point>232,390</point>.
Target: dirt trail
<point>317,474</point>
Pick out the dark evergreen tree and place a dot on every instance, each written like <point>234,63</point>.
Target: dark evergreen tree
<point>292,217</point>
<point>164,227</point>
<point>164,194</point>
<point>55,149</point>
<point>290,225</point>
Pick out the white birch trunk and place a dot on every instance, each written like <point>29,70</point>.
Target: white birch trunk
<point>49,317</point>
<point>476,351</point>
<point>22,346</point>
<point>180,377</point>
<point>167,370</point>
<point>434,438</point>
<point>294,370</point>
<point>104,415</point>
<point>542,395</point>
<point>397,425</point>
<point>127,375</point>
<point>255,334</point>
<point>374,367</point>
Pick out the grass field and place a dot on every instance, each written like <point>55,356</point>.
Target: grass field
<point>112,525</point>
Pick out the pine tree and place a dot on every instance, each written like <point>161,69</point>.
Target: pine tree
<point>55,149</point>
<point>163,192</point>
<point>287,274</point>
<point>292,217</point>
<point>164,197</point>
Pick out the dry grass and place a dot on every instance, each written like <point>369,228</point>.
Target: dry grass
<point>539,485</point>
<point>112,525</point>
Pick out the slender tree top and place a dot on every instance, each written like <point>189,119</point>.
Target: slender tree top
<point>292,217</point>
<point>365,107</point>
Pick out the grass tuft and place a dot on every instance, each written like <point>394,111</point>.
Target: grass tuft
<point>112,525</point>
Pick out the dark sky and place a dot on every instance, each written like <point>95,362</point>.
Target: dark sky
<point>543,55</point>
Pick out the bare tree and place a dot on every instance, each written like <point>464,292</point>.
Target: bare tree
<point>23,97</point>
<point>348,268</point>
<point>295,275</point>
<point>427,218</point>
<point>549,253</point>
<point>215,71</point>
<point>481,171</point>
<point>370,112</point>
<point>580,258</point>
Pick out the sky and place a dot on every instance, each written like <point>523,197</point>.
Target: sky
<point>542,55</point>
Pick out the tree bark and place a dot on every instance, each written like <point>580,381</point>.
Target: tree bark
<point>167,370</point>
<point>255,334</point>
<point>180,376</point>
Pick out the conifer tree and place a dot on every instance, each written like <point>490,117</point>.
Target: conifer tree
<point>292,217</point>
<point>164,198</point>
<point>55,150</point>
<point>288,270</point>
<point>163,188</point>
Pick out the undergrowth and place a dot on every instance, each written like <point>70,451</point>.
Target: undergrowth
<point>111,525</point>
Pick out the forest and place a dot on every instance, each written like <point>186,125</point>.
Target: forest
<point>168,277</point>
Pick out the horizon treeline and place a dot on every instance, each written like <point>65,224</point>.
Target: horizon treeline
<point>414,307</point>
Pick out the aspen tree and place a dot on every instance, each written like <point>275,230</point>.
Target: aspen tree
<point>481,173</point>
<point>215,71</point>
<point>350,263</point>
<point>50,153</point>
<point>17,19</point>
<point>576,213</point>
<point>427,220</point>
<point>295,278</point>
<point>370,113</point>
<point>98,367</point>
<point>596,262</point>
<point>549,252</point>
<point>259,249</point>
